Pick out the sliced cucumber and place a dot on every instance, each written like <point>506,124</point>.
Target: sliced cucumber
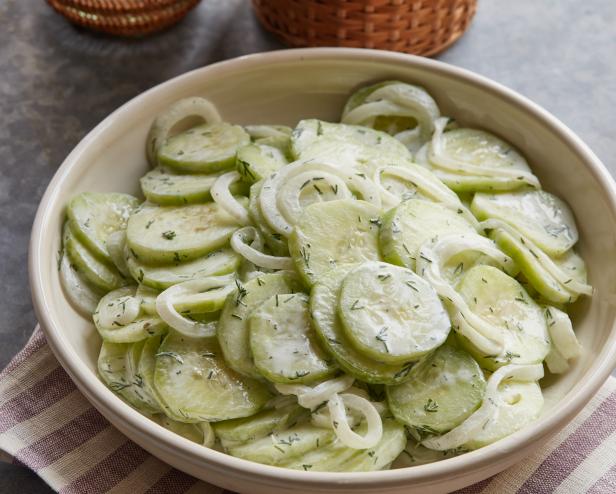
<point>443,390</point>
<point>257,161</point>
<point>94,216</point>
<point>192,432</point>
<point>542,217</point>
<point>332,234</point>
<point>233,328</point>
<point>323,307</point>
<point>147,366</point>
<point>116,245</point>
<point>117,368</point>
<point>503,302</point>
<point>117,320</point>
<point>335,457</point>
<point>519,404</point>
<point>147,297</point>
<point>102,276</point>
<point>164,187</point>
<point>81,296</point>
<point>408,226</point>
<point>273,240</point>
<point>391,314</point>
<point>195,384</point>
<point>262,131</point>
<point>214,263</point>
<point>206,148</point>
<point>279,448</point>
<point>536,273</point>
<point>167,234</point>
<point>283,343</point>
<point>260,425</point>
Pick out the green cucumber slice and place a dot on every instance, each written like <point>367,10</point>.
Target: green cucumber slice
<point>408,226</point>
<point>504,303</point>
<point>103,277</point>
<point>164,187</point>
<point>276,243</point>
<point>196,385</point>
<point>443,390</point>
<point>117,366</point>
<point>94,216</point>
<point>537,275</point>
<point>80,294</point>
<point>111,324</point>
<point>262,131</point>
<point>218,262</point>
<point>542,217</point>
<point>147,297</point>
<point>147,366</point>
<point>257,161</point>
<point>167,234</point>
<point>519,404</point>
<point>262,424</point>
<point>205,148</point>
<point>332,234</point>
<point>192,432</point>
<point>283,343</point>
<point>391,314</point>
<point>233,327</point>
<point>323,307</point>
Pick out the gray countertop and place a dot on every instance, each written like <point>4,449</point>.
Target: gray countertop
<point>57,82</point>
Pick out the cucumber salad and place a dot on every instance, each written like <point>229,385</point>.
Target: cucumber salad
<point>376,293</point>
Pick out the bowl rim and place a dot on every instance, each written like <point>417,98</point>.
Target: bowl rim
<point>117,411</point>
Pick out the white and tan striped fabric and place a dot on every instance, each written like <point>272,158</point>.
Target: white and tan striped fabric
<point>49,427</point>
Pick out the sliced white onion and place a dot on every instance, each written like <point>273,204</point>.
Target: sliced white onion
<point>222,196</point>
<point>116,242</point>
<point>438,158</point>
<point>174,114</point>
<point>561,333</point>
<point>411,138</point>
<point>176,293</point>
<point>489,407</point>
<point>569,284</point>
<point>342,428</point>
<point>239,244</point>
<point>311,398</point>
<point>484,335</point>
<point>119,312</point>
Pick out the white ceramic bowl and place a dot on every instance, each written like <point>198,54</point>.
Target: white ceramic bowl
<point>283,87</point>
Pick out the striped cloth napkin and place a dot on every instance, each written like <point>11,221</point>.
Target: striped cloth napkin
<point>49,427</point>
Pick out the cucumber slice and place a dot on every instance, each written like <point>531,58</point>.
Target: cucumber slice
<point>167,234</point>
<point>262,131</point>
<point>147,297</point>
<point>535,272</point>
<point>116,245</point>
<point>542,217</point>
<point>323,307</point>
<point>162,186</point>
<point>257,161</point>
<point>276,243</point>
<point>79,293</point>
<point>283,343</point>
<point>231,432</point>
<point>214,263</point>
<point>332,234</point>
<point>114,324</point>
<point>147,366</point>
<point>282,143</point>
<point>391,314</point>
<point>519,404</point>
<point>408,226</point>
<point>103,277</point>
<point>503,302</point>
<point>116,366</point>
<point>346,145</point>
<point>192,432</point>
<point>415,454</point>
<point>205,148</point>
<point>94,216</point>
<point>443,390</point>
<point>279,448</point>
<point>193,381</point>
<point>335,457</point>
<point>233,328</point>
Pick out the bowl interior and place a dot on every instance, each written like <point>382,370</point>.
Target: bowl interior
<point>285,89</point>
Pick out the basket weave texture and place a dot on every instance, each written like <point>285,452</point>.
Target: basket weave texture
<point>124,17</point>
<point>421,27</point>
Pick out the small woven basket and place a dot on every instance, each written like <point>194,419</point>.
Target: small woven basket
<point>124,17</point>
<point>421,27</point>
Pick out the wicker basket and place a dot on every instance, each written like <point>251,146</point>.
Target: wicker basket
<point>421,27</point>
<point>124,17</point>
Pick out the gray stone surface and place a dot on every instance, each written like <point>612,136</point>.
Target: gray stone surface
<point>57,82</point>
